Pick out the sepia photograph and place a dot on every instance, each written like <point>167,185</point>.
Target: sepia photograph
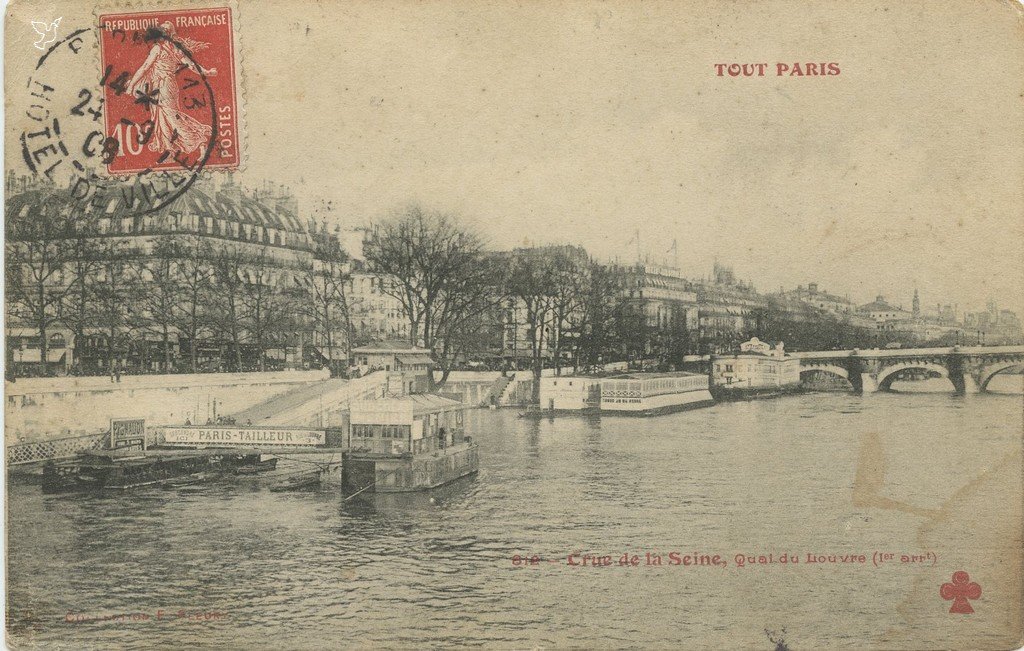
<point>535,325</point>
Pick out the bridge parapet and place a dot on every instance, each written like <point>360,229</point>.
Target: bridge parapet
<point>968,368</point>
<point>878,353</point>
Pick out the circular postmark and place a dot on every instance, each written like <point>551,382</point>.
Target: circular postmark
<point>144,132</point>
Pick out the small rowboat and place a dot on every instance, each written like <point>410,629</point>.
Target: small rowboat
<point>298,481</point>
<point>260,466</point>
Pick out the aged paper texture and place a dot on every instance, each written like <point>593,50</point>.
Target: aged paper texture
<point>514,325</point>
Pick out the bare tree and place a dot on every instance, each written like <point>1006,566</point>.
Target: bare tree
<point>532,284</point>
<point>115,295</point>
<point>224,307</point>
<point>571,271</point>
<point>270,298</point>
<point>326,277</point>
<point>157,307</point>
<point>77,310</point>
<point>193,277</point>
<point>597,323</point>
<point>462,323</point>
<point>37,254</point>
<point>438,273</point>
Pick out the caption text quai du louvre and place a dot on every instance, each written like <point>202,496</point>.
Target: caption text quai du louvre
<point>873,558</point>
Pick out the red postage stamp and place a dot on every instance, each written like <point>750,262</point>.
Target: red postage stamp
<point>169,90</point>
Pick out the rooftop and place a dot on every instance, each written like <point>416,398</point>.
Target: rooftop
<point>879,305</point>
<point>119,203</point>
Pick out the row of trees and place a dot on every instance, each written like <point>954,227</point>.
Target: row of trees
<point>460,299</point>
<point>144,292</point>
<point>223,295</point>
<point>238,300</point>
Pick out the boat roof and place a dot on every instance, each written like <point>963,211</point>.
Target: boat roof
<point>417,403</point>
<point>650,376</point>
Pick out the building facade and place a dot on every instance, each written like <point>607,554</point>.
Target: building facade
<point>376,314</point>
<point>822,300</point>
<point>887,317</point>
<point>757,365</point>
<point>222,278</point>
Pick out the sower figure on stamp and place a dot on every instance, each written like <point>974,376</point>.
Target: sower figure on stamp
<point>156,84</point>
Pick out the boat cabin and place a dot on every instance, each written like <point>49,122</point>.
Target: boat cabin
<point>408,425</point>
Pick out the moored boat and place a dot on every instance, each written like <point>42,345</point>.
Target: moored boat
<point>416,442</point>
<point>632,393</point>
<point>298,481</point>
<point>649,394</point>
<point>258,466</point>
<point>120,470</point>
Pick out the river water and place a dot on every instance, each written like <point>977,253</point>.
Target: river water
<point>253,569</point>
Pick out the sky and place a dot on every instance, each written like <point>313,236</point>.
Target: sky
<point>585,122</point>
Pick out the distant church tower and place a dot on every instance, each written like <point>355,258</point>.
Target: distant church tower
<point>917,305</point>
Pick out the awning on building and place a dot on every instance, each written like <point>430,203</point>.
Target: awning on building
<point>413,360</point>
<point>33,355</point>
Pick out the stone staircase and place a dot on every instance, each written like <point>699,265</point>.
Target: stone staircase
<point>499,387</point>
<point>517,390</point>
<point>320,406</point>
<point>267,409</point>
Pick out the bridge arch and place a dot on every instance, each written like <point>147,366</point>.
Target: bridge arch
<point>993,370</point>
<point>827,368</point>
<point>887,375</point>
<point>831,369</point>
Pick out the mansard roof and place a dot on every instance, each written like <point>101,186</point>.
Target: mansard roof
<point>120,203</point>
<point>879,305</point>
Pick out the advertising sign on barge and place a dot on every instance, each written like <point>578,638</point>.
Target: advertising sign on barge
<point>411,443</point>
<point>249,437</point>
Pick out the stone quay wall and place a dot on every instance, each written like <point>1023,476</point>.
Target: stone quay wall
<point>39,409</point>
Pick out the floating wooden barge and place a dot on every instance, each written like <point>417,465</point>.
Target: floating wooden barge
<point>412,443</point>
<point>122,469</point>
<point>642,394</point>
<point>648,394</point>
<point>409,443</point>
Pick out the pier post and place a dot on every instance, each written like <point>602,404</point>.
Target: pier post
<point>955,366</point>
<point>855,371</point>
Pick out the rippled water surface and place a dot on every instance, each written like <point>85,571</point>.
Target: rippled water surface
<point>309,570</point>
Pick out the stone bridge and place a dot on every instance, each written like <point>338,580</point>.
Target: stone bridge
<point>969,369</point>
